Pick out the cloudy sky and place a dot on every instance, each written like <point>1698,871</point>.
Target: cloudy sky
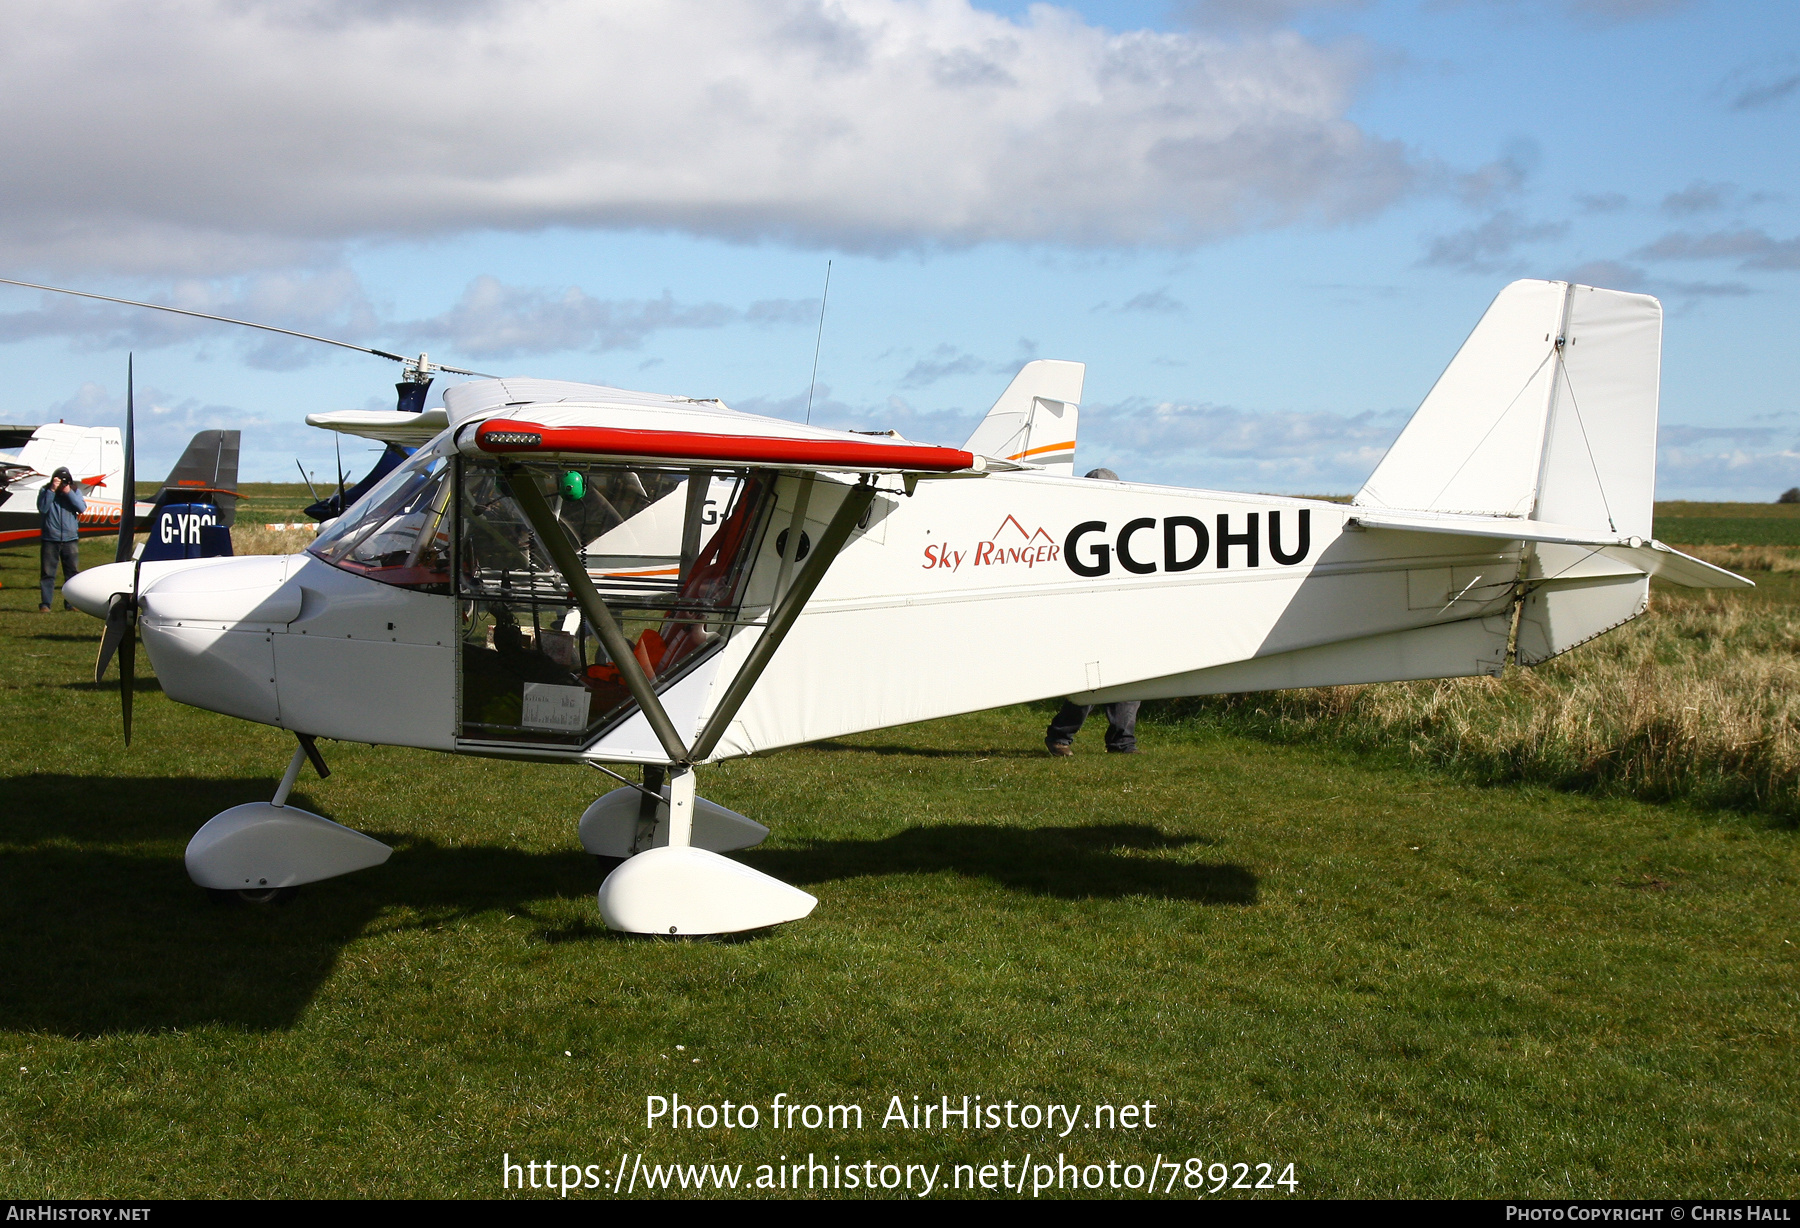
<point>1265,225</point>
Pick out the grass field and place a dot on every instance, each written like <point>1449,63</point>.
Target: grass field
<point>1360,956</point>
<point>1725,524</point>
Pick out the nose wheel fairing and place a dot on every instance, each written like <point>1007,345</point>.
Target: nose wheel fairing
<point>261,846</point>
<point>260,849</point>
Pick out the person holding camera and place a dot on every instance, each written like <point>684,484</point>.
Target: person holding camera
<point>60,506</point>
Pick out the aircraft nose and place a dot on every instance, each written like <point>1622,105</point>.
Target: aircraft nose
<point>91,591</point>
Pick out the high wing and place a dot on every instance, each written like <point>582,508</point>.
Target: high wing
<point>385,425</point>
<point>596,420</point>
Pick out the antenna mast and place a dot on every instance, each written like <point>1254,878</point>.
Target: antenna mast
<point>820,340</point>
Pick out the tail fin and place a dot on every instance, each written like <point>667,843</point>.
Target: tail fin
<point>1034,419</point>
<point>209,468</point>
<point>1548,412</point>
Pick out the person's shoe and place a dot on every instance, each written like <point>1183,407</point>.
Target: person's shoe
<point>43,609</point>
<point>1059,748</point>
<point>1121,750</point>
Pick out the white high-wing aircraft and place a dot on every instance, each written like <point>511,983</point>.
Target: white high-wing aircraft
<point>573,573</point>
<point>207,469</point>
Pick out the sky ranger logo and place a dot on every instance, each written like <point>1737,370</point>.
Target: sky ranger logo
<point>1182,544</point>
<point>1010,545</point>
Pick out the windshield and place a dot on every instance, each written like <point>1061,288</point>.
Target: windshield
<point>399,533</point>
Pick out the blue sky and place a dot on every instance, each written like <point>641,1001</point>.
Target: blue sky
<point>1265,225</point>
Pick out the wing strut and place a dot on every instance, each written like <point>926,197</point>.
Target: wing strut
<point>549,532</point>
<point>781,619</point>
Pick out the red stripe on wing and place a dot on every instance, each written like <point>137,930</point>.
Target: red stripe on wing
<point>743,449</point>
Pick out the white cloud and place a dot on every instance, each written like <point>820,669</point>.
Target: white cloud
<point>1261,14</point>
<point>494,320</point>
<point>1748,463</point>
<point>1157,302</point>
<point>944,361</point>
<point>1224,448</point>
<point>1752,248</point>
<point>1699,197</point>
<point>1504,177</point>
<point>217,135</point>
<point>1603,202</point>
<point>1488,248</point>
<point>1617,275</point>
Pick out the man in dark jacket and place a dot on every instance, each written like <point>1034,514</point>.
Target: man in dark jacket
<point>60,506</point>
<point>1121,717</point>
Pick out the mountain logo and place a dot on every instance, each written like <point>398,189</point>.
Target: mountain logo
<point>1010,545</point>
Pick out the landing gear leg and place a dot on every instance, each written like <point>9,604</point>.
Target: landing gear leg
<point>648,809</point>
<point>686,891</point>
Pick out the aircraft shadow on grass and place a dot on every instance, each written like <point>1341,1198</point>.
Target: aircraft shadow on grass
<point>1072,863</point>
<point>105,934</point>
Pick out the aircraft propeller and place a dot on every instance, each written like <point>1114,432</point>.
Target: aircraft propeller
<point>120,635</point>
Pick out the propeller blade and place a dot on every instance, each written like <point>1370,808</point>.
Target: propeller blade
<point>128,494</point>
<point>118,623</point>
<point>127,675</point>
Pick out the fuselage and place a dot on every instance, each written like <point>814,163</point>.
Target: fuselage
<point>973,591</point>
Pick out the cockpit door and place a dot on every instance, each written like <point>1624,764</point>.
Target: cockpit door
<point>667,549</point>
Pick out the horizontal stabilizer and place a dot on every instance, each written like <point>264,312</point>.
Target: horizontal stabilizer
<point>1652,558</point>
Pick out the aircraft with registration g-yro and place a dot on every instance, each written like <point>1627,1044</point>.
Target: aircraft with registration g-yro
<point>574,573</point>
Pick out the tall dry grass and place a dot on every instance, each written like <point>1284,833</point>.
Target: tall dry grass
<point>258,539</point>
<point>1698,700</point>
<point>1747,558</point>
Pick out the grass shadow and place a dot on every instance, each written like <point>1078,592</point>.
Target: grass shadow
<point>139,685</point>
<point>105,934</point>
<point>926,752</point>
<point>1072,863</point>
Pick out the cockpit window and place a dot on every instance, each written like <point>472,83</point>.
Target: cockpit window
<point>399,533</point>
